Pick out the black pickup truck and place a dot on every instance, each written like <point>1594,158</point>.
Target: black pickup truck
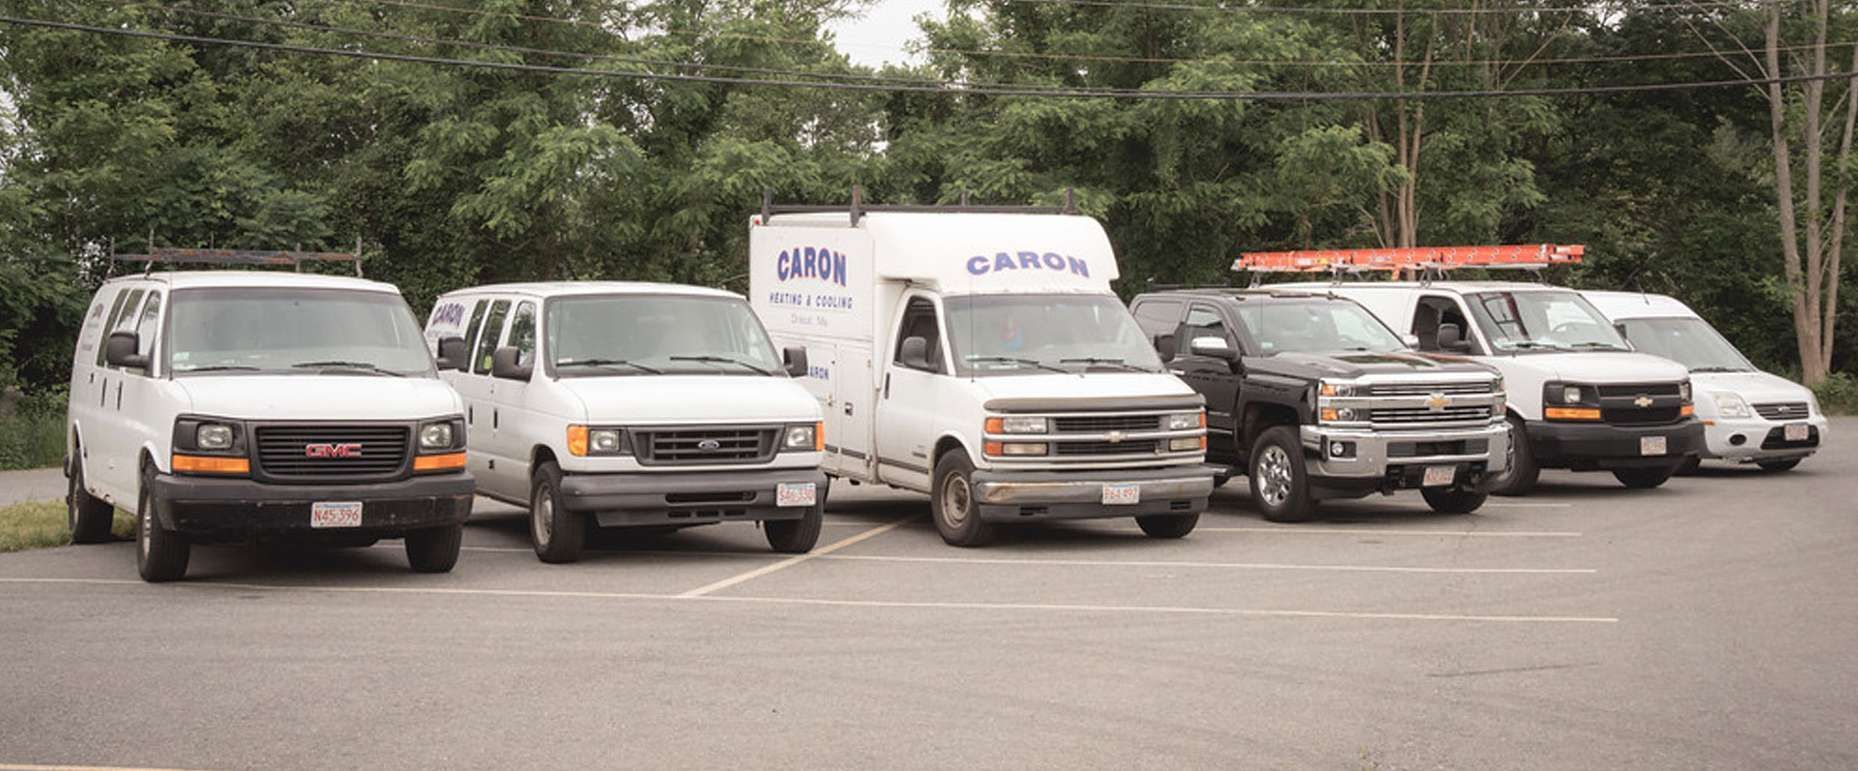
<point>1313,397</point>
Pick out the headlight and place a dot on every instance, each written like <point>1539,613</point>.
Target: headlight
<point>1331,388</point>
<point>587,440</point>
<point>1570,394</point>
<point>435,436</point>
<point>1023,448</point>
<point>1186,443</point>
<point>1562,393</point>
<point>1730,405</point>
<point>1186,420</point>
<point>1339,415</point>
<point>1016,425</point>
<point>1496,386</point>
<point>1683,390</point>
<point>213,436</point>
<point>1812,404</point>
<point>802,437</point>
<point>603,441</point>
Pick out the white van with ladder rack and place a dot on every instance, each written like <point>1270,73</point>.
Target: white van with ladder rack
<point>1579,396</point>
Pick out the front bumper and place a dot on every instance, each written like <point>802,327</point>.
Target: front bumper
<point>1760,439</point>
<point>1593,446</point>
<point>687,498</point>
<point>213,508</point>
<point>1391,460</point>
<point>1021,496</point>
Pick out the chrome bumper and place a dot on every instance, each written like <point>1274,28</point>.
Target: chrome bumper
<point>1374,449</point>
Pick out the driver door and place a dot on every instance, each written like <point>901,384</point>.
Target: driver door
<point>1212,377</point>
<point>908,396</point>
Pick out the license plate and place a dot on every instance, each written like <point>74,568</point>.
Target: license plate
<point>340,514</point>
<point>1122,495</point>
<point>1651,445</point>
<point>796,494</point>
<point>1796,432</point>
<point>1439,476</point>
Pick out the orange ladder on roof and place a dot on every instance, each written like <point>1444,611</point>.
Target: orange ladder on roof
<point>1415,259</point>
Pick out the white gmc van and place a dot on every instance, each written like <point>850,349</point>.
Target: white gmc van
<point>631,405</point>
<point>1749,416</point>
<point>1579,397</point>
<point>232,405</point>
<point>980,357</point>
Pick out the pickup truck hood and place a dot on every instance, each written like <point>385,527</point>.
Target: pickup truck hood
<point>1354,365</point>
<point>687,399</point>
<point>1601,367</point>
<point>1094,391</point>
<point>319,397</point>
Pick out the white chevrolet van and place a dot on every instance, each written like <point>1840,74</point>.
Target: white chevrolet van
<point>617,404</point>
<point>1749,416</point>
<point>1579,397</point>
<point>232,405</point>
<point>980,357</point>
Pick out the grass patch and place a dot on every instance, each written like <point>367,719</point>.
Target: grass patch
<point>39,524</point>
<point>1838,395</point>
<point>32,438</point>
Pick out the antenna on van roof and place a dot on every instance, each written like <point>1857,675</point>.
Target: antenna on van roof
<point>250,257</point>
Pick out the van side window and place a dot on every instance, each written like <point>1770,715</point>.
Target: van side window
<point>487,339</point>
<point>116,314</point>
<point>146,329</point>
<point>125,321</point>
<point>1158,317</point>
<point>919,320</point>
<point>1432,311</point>
<point>522,333</point>
<point>477,323</point>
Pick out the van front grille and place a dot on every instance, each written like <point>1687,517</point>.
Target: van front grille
<point>698,446</point>
<point>1101,424</point>
<point>332,452</point>
<point>1126,447</point>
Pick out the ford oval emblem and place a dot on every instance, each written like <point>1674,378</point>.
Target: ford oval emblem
<point>709,445</point>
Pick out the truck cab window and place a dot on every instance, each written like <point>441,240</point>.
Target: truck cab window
<point>919,320</point>
<point>1158,317</point>
<point>487,339</point>
<point>522,333</point>
<point>1204,321</point>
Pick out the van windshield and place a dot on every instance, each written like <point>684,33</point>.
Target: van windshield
<point>292,329</point>
<point>1029,334</point>
<point>611,335</point>
<point>1538,321</point>
<point>1690,342</point>
<point>1317,326</point>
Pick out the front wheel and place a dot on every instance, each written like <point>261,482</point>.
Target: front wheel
<point>1644,478</point>
<point>1778,465</point>
<point>88,516</point>
<point>1168,525</point>
<point>798,536</point>
<point>160,555</point>
<point>1280,480</point>
<point>557,533</point>
<point>1453,500</point>
<point>435,549</point>
<point>957,514</point>
<point>1519,477</point>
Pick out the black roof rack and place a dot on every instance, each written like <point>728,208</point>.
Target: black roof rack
<point>252,257</point>
<point>858,208</point>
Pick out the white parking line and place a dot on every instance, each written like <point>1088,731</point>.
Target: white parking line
<point>20,767</point>
<point>984,606</point>
<point>1195,564</point>
<point>816,553</point>
<point>1526,505</point>
<point>1390,531</point>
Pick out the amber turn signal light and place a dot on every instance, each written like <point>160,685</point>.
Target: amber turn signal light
<point>447,462</point>
<point>207,464</point>
<point>1571,413</point>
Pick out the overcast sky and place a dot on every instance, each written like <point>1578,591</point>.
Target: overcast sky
<point>880,35</point>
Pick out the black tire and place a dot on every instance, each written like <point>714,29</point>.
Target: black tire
<point>558,534</point>
<point>1279,477</point>
<point>1786,464</point>
<point>88,516</point>
<point>1644,478</point>
<point>798,536</point>
<point>1168,525</point>
<point>1689,466</point>
<point>1521,475</point>
<point>1453,500</point>
<point>160,555</point>
<point>434,549</point>
<point>951,500</point>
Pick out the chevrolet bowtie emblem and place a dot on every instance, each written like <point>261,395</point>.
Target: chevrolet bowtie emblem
<point>1115,437</point>
<point>1642,402</point>
<point>1437,402</point>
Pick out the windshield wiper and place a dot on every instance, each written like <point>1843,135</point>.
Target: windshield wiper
<point>1720,369</point>
<point>1592,344</point>
<point>1103,361</point>
<point>610,363</point>
<point>220,368</point>
<point>356,365</point>
<point>1022,362</point>
<point>1531,344</point>
<point>724,360</point>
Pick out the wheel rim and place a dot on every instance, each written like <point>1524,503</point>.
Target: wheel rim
<point>1273,475</point>
<point>73,485</point>
<point>541,516</point>
<point>1509,454</point>
<point>955,500</point>
<point>145,525</point>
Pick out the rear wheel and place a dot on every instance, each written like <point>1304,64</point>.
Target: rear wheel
<point>1644,478</point>
<point>434,550</point>
<point>1453,500</point>
<point>558,534</point>
<point>1280,481</point>
<point>1168,525</point>
<point>160,555</point>
<point>88,516</point>
<point>1520,475</point>
<point>1778,465</point>
<point>798,536</point>
<point>957,514</point>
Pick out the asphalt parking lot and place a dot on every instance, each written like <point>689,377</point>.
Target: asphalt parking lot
<point>1710,623</point>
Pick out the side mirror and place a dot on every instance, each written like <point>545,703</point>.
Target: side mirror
<point>453,354</point>
<point>119,351</point>
<point>795,359</point>
<point>1410,340</point>
<point>504,363</point>
<point>1166,347</point>
<point>1213,348</point>
<point>915,354</point>
<point>1451,339</point>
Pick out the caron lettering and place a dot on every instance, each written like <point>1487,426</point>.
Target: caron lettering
<point>1002,262</point>
<point>814,262</point>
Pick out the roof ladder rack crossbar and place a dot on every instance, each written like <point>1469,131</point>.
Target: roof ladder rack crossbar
<point>859,208</point>
<point>1430,261</point>
<point>249,257</point>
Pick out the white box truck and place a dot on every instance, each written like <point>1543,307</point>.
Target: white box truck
<point>978,355</point>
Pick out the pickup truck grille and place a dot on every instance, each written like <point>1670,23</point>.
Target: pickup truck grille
<point>1126,447</point>
<point>697,446</point>
<point>1100,424</point>
<point>1427,389</point>
<point>1405,415</point>
<point>1782,410</point>
<point>332,453</point>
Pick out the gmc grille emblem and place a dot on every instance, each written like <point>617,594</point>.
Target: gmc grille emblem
<point>332,450</point>
<point>709,445</point>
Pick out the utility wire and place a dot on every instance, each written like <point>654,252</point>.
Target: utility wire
<point>934,87</point>
<point>1343,11</point>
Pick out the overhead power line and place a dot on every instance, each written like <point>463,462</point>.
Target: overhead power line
<point>1512,10</point>
<point>932,87</point>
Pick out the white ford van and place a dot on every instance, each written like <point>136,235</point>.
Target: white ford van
<point>980,357</point>
<point>232,405</point>
<point>631,405</point>
<point>1749,416</point>
<point>1579,397</point>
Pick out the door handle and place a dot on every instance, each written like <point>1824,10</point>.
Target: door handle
<point>887,385</point>
<point>495,416</point>
<point>848,408</point>
<point>470,415</point>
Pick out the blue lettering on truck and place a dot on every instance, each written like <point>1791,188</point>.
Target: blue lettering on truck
<point>811,262</point>
<point>981,264</point>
